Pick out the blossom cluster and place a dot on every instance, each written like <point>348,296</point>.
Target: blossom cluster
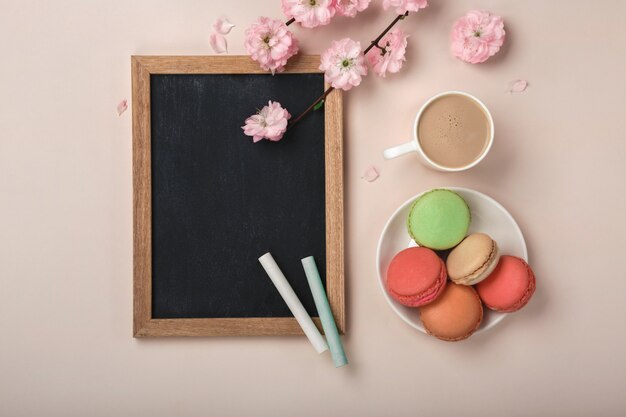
<point>475,37</point>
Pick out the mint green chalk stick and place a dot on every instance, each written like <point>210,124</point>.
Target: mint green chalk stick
<point>326,315</point>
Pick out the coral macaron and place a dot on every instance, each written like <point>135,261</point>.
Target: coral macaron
<point>416,277</point>
<point>509,287</point>
<point>455,315</point>
<point>473,259</point>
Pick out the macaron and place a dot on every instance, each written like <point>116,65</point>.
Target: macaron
<point>454,315</point>
<point>416,277</point>
<point>439,219</point>
<point>473,259</point>
<point>509,287</point>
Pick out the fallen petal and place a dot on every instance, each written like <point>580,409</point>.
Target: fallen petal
<point>222,26</point>
<point>218,43</point>
<point>122,106</point>
<point>371,174</point>
<point>518,86</point>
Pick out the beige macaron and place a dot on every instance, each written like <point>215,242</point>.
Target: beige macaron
<point>473,259</point>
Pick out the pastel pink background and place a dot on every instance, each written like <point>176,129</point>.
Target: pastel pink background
<point>66,223</point>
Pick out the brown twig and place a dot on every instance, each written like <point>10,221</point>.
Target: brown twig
<point>384,32</point>
<point>374,43</point>
<point>290,21</point>
<point>381,48</point>
<point>308,109</point>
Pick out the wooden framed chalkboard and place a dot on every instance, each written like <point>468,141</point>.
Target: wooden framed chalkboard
<point>208,201</point>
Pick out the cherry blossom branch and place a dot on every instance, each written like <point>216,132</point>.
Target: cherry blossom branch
<point>384,32</point>
<point>374,43</point>
<point>308,109</point>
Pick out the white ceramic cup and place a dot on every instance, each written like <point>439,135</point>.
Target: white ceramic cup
<point>414,144</point>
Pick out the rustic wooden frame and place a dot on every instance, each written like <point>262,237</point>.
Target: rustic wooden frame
<point>143,323</point>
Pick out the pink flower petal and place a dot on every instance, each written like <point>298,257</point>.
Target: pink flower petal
<point>518,86</point>
<point>222,26</point>
<point>122,106</point>
<point>218,43</point>
<point>370,174</point>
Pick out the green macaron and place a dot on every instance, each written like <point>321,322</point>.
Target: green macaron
<point>439,219</point>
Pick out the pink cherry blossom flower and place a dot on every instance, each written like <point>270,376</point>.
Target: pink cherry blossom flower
<point>343,64</point>
<point>477,36</point>
<point>350,8</point>
<point>392,57</point>
<point>270,44</point>
<point>269,123</point>
<point>309,13</point>
<point>403,6</point>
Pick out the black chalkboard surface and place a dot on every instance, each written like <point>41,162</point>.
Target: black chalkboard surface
<point>218,201</point>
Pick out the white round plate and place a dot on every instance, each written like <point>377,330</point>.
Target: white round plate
<point>488,216</point>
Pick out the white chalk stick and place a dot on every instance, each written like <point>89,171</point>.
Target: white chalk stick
<point>294,304</point>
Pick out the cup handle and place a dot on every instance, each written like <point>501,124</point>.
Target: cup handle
<point>396,151</point>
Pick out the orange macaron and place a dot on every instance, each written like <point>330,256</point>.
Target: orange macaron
<point>454,315</point>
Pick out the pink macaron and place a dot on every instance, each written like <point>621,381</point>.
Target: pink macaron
<point>416,276</point>
<point>509,287</point>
